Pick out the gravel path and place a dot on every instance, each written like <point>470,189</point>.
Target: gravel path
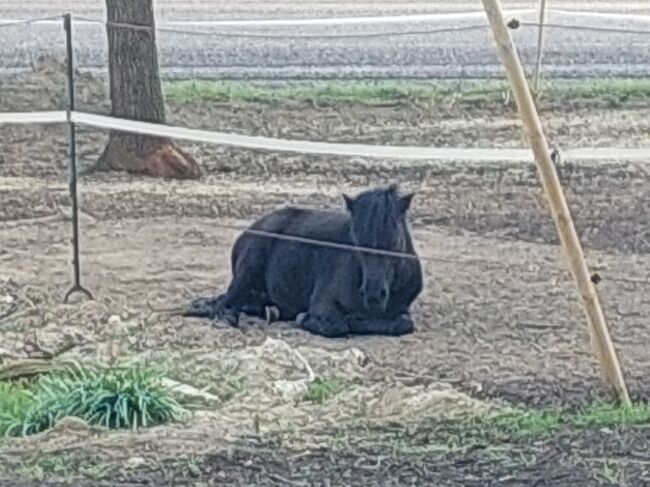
<point>467,53</point>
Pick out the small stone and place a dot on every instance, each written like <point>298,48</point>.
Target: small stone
<point>136,461</point>
<point>361,358</point>
<point>114,320</point>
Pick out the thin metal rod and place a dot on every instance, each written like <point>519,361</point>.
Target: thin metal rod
<point>540,45</point>
<point>67,26</point>
<point>604,348</point>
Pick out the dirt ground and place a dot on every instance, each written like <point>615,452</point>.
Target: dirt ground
<point>498,322</point>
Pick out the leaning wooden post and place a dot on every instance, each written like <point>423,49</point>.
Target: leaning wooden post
<point>600,335</point>
<point>540,46</point>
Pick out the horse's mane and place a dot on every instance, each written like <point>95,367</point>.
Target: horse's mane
<point>378,219</point>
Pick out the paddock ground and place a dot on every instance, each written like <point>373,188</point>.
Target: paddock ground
<point>498,323</point>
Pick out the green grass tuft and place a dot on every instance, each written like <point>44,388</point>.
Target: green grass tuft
<point>320,390</point>
<point>604,414</point>
<point>533,423</point>
<point>475,92</point>
<point>116,398</point>
<point>14,401</point>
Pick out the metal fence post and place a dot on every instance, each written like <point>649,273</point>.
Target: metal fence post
<point>540,47</point>
<point>76,287</point>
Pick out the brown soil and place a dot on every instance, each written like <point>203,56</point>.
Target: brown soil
<point>498,321</point>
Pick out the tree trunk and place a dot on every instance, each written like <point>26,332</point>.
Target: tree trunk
<point>136,93</point>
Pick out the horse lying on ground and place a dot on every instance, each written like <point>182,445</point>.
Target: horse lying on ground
<point>330,291</point>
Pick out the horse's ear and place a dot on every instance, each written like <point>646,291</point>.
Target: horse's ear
<point>349,202</point>
<point>405,202</point>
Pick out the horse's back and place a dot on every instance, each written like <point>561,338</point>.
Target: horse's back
<point>291,221</point>
<point>305,223</point>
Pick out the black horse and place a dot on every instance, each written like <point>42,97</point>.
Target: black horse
<point>330,291</point>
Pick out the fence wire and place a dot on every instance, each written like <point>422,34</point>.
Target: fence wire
<point>12,23</point>
<point>514,24</point>
<point>582,27</point>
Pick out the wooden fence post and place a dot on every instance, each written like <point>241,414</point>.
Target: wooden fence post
<point>605,351</point>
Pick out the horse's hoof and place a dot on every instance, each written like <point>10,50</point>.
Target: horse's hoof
<point>272,313</point>
<point>215,306</point>
<point>300,318</point>
<point>229,317</point>
<point>403,326</point>
<point>229,320</point>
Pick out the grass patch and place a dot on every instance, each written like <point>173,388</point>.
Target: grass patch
<point>492,433</point>
<point>527,424</point>
<point>116,398</point>
<point>320,390</point>
<point>336,91</point>
<point>608,91</point>
<point>14,401</point>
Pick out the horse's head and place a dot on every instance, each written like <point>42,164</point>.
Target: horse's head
<point>378,219</point>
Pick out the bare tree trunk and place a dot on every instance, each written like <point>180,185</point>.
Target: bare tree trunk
<point>136,93</point>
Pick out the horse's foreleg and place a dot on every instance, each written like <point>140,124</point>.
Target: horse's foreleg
<point>400,325</point>
<point>325,325</point>
<point>323,318</point>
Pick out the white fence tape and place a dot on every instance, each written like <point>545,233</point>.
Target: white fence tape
<point>310,147</point>
<point>32,117</point>
<point>300,146</point>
